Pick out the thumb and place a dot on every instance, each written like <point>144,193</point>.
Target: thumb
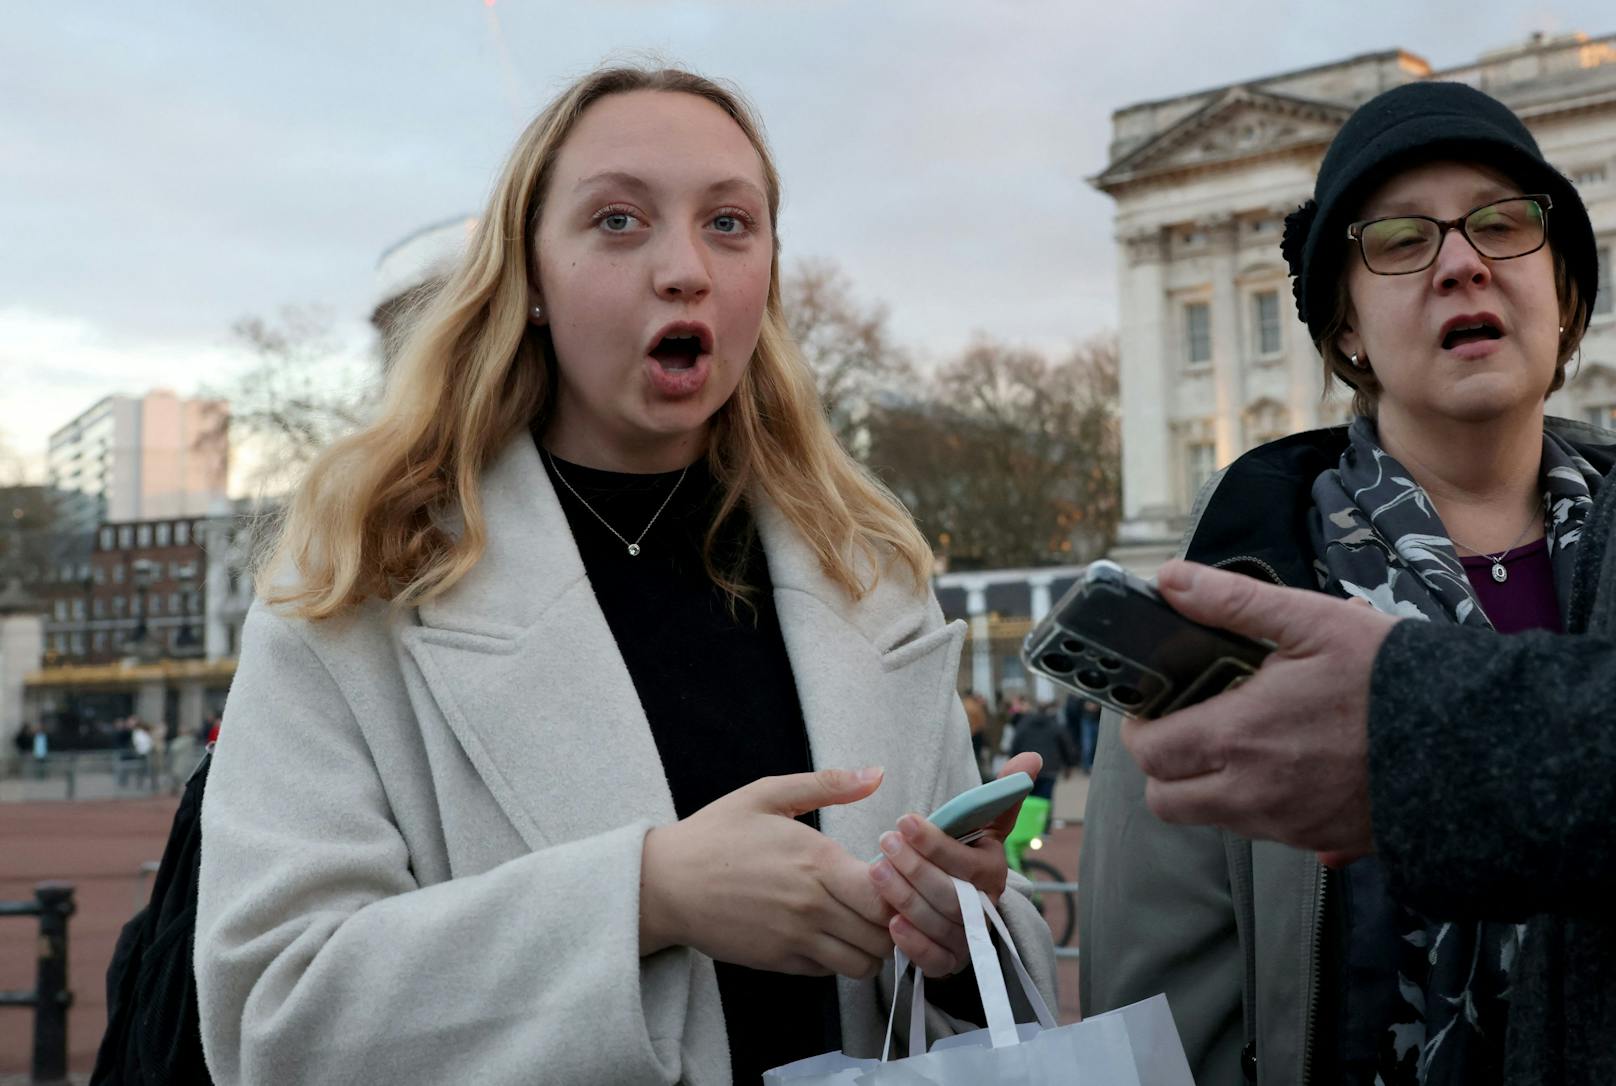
<point>1289,617</point>
<point>798,793</point>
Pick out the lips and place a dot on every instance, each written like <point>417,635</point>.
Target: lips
<point>678,358</point>
<point>1469,328</point>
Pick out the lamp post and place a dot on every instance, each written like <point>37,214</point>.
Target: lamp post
<point>142,644</point>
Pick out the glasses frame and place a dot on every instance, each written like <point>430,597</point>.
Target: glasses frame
<point>1542,199</point>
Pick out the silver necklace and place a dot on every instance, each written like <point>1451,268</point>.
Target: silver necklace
<point>1500,574</point>
<point>634,547</point>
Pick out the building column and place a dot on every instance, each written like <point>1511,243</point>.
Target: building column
<point>150,701</point>
<point>191,705</point>
<point>976,605</point>
<point>1228,369</point>
<point>22,650</point>
<point>1042,689</point>
<point>1147,490</point>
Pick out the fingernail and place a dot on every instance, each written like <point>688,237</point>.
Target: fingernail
<point>910,825</point>
<point>872,773</point>
<point>881,871</point>
<point>1179,576</point>
<point>891,843</point>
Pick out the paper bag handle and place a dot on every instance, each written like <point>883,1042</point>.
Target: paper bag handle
<point>976,910</point>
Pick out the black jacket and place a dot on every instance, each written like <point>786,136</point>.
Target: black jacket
<point>1492,759</point>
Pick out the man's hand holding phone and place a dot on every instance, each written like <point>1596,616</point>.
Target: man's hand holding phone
<point>914,876</point>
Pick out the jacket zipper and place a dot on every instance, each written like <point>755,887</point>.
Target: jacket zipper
<point>1313,979</point>
<point>1323,885</point>
<point>1264,566</point>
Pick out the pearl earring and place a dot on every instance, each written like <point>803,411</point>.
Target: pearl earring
<point>1357,365</point>
<point>538,312</point>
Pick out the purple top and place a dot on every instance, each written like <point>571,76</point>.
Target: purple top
<point>1526,601</point>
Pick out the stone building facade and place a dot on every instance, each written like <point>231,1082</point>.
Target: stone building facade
<point>1214,360</point>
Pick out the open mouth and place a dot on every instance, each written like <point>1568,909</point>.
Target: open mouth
<point>678,351</point>
<point>680,345</point>
<point>1471,332</point>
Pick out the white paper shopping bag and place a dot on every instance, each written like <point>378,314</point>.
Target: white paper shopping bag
<point>1132,1046</point>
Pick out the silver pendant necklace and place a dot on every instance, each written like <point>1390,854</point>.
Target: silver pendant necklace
<point>1500,574</point>
<point>634,547</point>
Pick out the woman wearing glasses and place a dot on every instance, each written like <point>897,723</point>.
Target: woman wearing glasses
<point>1446,273</point>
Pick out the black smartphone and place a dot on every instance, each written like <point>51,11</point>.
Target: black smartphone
<point>1113,638</point>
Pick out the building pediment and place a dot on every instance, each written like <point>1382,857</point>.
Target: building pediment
<point>1236,124</point>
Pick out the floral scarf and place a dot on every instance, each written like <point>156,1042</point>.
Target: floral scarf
<point>1378,538</point>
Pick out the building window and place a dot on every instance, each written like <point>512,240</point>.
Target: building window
<point>1201,458</point>
<point>117,573</point>
<point>100,575</point>
<point>143,535</point>
<point>1265,323</point>
<point>98,608</point>
<point>1605,300</point>
<point>1197,333</point>
<point>78,644</point>
<point>1601,416</point>
<point>126,537</point>
<point>162,534</point>
<point>156,604</point>
<point>78,610</point>
<point>182,533</point>
<point>99,640</point>
<point>61,610</point>
<point>106,539</point>
<point>1589,176</point>
<point>118,605</point>
<point>173,603</point>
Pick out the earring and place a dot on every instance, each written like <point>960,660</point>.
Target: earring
<point>1562,329</point>
<point>1357,365</point>
<point>538,312</point>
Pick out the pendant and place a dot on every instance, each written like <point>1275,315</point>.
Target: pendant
<point>1499,573</point>
<point>634,549</point>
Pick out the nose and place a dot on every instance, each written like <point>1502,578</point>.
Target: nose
<point>681,272</point>
<point>1458,263</point>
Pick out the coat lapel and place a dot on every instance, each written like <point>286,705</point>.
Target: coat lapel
<point>518,661</point>
<point>876,685</point>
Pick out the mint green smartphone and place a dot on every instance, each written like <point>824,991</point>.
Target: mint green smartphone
<point>966,816</point>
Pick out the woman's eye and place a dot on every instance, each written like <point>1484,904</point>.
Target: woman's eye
<point>731,222</point>
<point>616,222</point>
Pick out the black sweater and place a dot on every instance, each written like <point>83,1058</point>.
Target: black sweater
<point>717,689</point>
<point>1493,785</point>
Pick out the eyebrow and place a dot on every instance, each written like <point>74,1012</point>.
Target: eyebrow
<point>631,181</point>
<point>1479,197</point>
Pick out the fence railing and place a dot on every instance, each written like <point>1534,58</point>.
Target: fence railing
<point>50,997</point>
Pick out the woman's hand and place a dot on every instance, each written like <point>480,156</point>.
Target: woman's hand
<point>915,877</point>
<point>742,881</point>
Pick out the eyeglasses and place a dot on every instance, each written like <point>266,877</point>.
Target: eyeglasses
<point>1501,230</point>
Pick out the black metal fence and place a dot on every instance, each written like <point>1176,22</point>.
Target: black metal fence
<point>50,997</point>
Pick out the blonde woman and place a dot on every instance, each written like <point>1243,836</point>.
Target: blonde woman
<point>559,659</point>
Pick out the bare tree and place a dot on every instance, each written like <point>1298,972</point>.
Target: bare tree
<point>302,392</point>
<point>1010,460</point>
<point>847,343</point>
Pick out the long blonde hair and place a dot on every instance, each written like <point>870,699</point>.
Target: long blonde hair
<point>395,511</point>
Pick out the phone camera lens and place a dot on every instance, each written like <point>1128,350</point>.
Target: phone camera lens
<point>1126,695</point>
<point>1058,662</point>
<point>1092,679</point>
<point>1073,646</point>
<point>1110,663</point>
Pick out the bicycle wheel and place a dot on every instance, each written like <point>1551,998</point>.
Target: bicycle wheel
<point>1058,907</point>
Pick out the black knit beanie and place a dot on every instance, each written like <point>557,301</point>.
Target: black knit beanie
<point>1406,126</point>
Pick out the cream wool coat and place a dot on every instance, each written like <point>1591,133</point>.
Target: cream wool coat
<point>422,832</point>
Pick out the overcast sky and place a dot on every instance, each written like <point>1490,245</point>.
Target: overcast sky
<point>168,167</point>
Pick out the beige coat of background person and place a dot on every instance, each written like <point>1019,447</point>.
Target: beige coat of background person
<point>422,835</point>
